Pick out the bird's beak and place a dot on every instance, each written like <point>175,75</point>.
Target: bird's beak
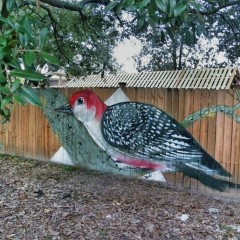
<point>65,109</point>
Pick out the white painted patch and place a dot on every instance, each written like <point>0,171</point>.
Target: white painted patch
<point>82,113</point>
<point>179,136</point>
<point>117,97</point>
<point>155,176</point>
<point>61,156</point>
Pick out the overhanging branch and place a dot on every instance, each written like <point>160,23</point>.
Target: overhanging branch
<point>217,9</point>
<point>73,7</point>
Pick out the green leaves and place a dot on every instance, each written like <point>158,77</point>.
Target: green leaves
<point>6,21</point>
<point>172,8</point>
<point>26,74</point>
<point>29,58</point>
<point>50,59</point>
<point>21,50</point>
<point>110,6</point>
<point>179,9</point>
<point>155,13</point>
<point>3,41</point>
<point>9,4</point>
<point>161,4</point>
<point>15,86</point>
<point>3,80</point>
<point>142,4</point>
<point>42,38</point>
<point>29,95</point>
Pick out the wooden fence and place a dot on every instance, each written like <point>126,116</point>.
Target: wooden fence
<point>29,133</point>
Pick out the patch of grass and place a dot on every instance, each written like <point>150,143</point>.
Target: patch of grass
<point>229,232</point>
<point>67,168</point>
<point>103,232</point>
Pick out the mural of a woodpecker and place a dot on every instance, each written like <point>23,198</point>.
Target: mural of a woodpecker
<point>143,136</point>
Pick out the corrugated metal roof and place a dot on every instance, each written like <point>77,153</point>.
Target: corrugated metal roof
<point>211,78</point>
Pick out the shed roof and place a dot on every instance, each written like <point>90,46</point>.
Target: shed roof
<point>211,78</point>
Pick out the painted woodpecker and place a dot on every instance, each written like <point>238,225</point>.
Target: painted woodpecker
<point>143,136</point>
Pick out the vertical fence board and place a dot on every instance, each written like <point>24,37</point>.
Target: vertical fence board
<point>234,141</point>
<point>228,125</point>
<point>181,104</point>
<point>160,99</point>
<point>196,106</point>
<point>219,128</point>
<point>211,124</point>
<point>237,140</point>
<point>204,121</point>
<point>141,95</point>
<point>188,106</point>
<point>175,106</point>
<point>17,117</point>
<point>168,101</point>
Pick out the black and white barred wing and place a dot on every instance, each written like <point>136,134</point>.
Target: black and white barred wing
<point>148,132</point>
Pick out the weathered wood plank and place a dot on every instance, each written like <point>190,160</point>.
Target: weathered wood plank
<point>219,129</point>
<point>175,105</point>
<point>212,124</point>
<point>188,105</point>
<point>204,121</point>
<point>235,143</point>
<point>196,106</point>
<point>181,103</point>
<point>228,126</point>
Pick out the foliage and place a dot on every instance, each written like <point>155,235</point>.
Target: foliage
<point>175,46</point>
<point>226,27</point>
<point>20,48</point>
<point>82,43</point>
<point>33,35</point>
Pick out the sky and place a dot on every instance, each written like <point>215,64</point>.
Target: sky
<point>125,52</point>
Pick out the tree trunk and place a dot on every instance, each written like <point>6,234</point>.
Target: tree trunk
<point>180,55</point>
<point>174,54</point>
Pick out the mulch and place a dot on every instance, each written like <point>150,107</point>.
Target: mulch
<point>41,200</point>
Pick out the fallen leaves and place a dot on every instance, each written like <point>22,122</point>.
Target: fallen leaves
<point>39,200</point>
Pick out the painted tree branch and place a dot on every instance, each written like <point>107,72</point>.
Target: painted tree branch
<point>76,140</point>
<point>212,111</point>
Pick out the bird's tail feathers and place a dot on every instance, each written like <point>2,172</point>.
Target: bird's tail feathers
<point>207,170</point>
<point>209,177</point>
<point>211,164</point>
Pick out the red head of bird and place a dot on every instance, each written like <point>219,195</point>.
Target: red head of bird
<point>86,106</point>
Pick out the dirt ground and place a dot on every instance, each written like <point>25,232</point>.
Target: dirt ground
<point>40,200</point>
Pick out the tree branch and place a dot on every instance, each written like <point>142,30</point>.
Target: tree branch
<point>217,9</point>
<point>73,7</point>
<point>79,6</point>
<point>211,112</point>
<point>229,24</point>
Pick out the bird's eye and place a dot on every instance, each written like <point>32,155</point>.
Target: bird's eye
<point>80,100</point>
